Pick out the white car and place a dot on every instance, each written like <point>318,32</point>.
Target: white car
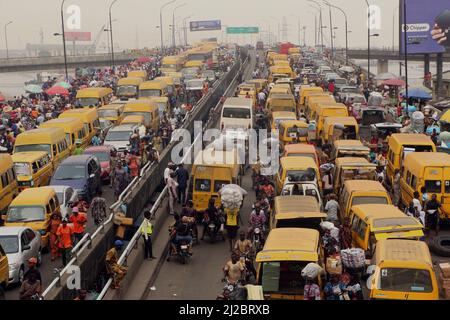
<point>20,244</point>
<point>119,136</point>
<point>66,196</point>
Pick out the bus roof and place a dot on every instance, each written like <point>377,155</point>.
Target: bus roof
<point>291,244</point>
<point>33,196</point>
<point>130,81</point>
<point>402,250</point>
<point>423,160</point>
<point>62,123</point>
<point>347,143</point>
<point>291,123</point>
<point>39,134</point>
<point>290,163</point>
<point>93,92</point>
<point>5,161</point>
<point>299,147</point>
<point>364,185</point>
<point>340,120</point>
<point>293,206</point>
<point>418,139</point>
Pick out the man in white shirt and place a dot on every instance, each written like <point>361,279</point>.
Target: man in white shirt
<point>168,171</point>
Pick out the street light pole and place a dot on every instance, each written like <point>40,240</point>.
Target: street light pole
<point>173,23</point>
<point>319,7</point>
<point>64,39</point>
<point>346,29</point>
<point>161,23</point>
<point>405,40</point>
<point>185,29</point>
<point>368,39</point>
<point>6,39</point>
<point>111,34</point>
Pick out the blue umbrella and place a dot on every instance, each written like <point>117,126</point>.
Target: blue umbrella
<point>417,93</point>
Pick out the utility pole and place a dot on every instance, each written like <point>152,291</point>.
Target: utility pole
<point>161,23</point>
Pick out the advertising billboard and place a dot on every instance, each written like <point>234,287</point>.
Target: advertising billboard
<point>427,26</point>
<point>206,25</point>
<point>78,36</point>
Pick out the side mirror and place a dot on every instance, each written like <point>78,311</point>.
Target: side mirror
<point>26,247</point>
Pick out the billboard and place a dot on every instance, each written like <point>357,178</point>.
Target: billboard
<point>427,26</point>
<point>78,36</point>
<point>238,30</point>
<point>206,25</point>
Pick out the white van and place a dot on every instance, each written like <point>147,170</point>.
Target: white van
<point>237,115</point>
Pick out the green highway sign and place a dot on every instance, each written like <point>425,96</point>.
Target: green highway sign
<point>236,30</point>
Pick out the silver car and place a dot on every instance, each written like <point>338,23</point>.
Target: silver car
<point>66,196</point>
<point>20,244</point>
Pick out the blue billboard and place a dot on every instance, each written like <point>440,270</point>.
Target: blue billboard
<point>427,26</point>
<point>206,25</point>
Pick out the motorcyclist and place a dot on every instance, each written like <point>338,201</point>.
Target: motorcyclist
<point>179,231</point>
<point>257,219</point>
<point>233,270</point>
<point>211,215</point>
<point>243,248</point>
<point>191,213</point>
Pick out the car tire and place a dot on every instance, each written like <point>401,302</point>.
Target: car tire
<point>440,245</point>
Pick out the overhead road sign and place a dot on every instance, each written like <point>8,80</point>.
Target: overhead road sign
<point>237,30</point>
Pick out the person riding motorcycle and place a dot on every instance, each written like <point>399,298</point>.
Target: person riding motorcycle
<point>243,248</point>
<point>257,220</point>
<point>179,232</point>
<point>233,271</point>
<point>211,215</point>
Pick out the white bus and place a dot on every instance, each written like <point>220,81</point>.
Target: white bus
<point>237,115</point>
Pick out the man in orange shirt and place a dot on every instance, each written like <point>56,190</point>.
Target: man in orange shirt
<point>78,219</point>
<point>65,233</point>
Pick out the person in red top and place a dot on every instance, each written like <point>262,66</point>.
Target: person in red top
<point>331,87</point>
<point>65,234</point>
<point>78,219</point>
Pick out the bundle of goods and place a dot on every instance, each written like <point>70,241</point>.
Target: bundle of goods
<point>232,196</point>
<point>334,264</point>
<point>444,279</point>
<point>312,271</point>
<point>417,122</point>
<point>353,258</point>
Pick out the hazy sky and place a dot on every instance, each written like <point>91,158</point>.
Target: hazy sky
<point>137,19</point>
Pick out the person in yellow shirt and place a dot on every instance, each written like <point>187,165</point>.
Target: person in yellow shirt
<point>232,225</point>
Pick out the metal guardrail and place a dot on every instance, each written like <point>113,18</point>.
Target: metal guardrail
<point>134,241</point>
<point>87,239</point>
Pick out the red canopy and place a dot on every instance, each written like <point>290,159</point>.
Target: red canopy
<point>394,83</point>
<point>144,60</point>
<point>57,90</point>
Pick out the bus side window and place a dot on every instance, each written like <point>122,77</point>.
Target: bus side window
<point>5,181</point>
<point>73,138</point>
<point>35,167</point>
<point>55,150</point>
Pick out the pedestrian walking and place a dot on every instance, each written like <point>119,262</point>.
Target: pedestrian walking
<point>98,208</point>
<point>173,186</point>
<point>78,220</point>
<point>182,179</point>
<point>55,222</point>
<point>65,242</point>
<point>147,231</point>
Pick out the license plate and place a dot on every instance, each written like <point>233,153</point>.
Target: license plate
<point>184,247</point>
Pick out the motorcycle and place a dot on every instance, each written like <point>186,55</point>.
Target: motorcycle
<point>182,252</point>
<point>257,238</point>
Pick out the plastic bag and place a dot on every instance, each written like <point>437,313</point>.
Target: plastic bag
<point>353,258</point>
<point>326,225</point>
<point>311,271</point>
